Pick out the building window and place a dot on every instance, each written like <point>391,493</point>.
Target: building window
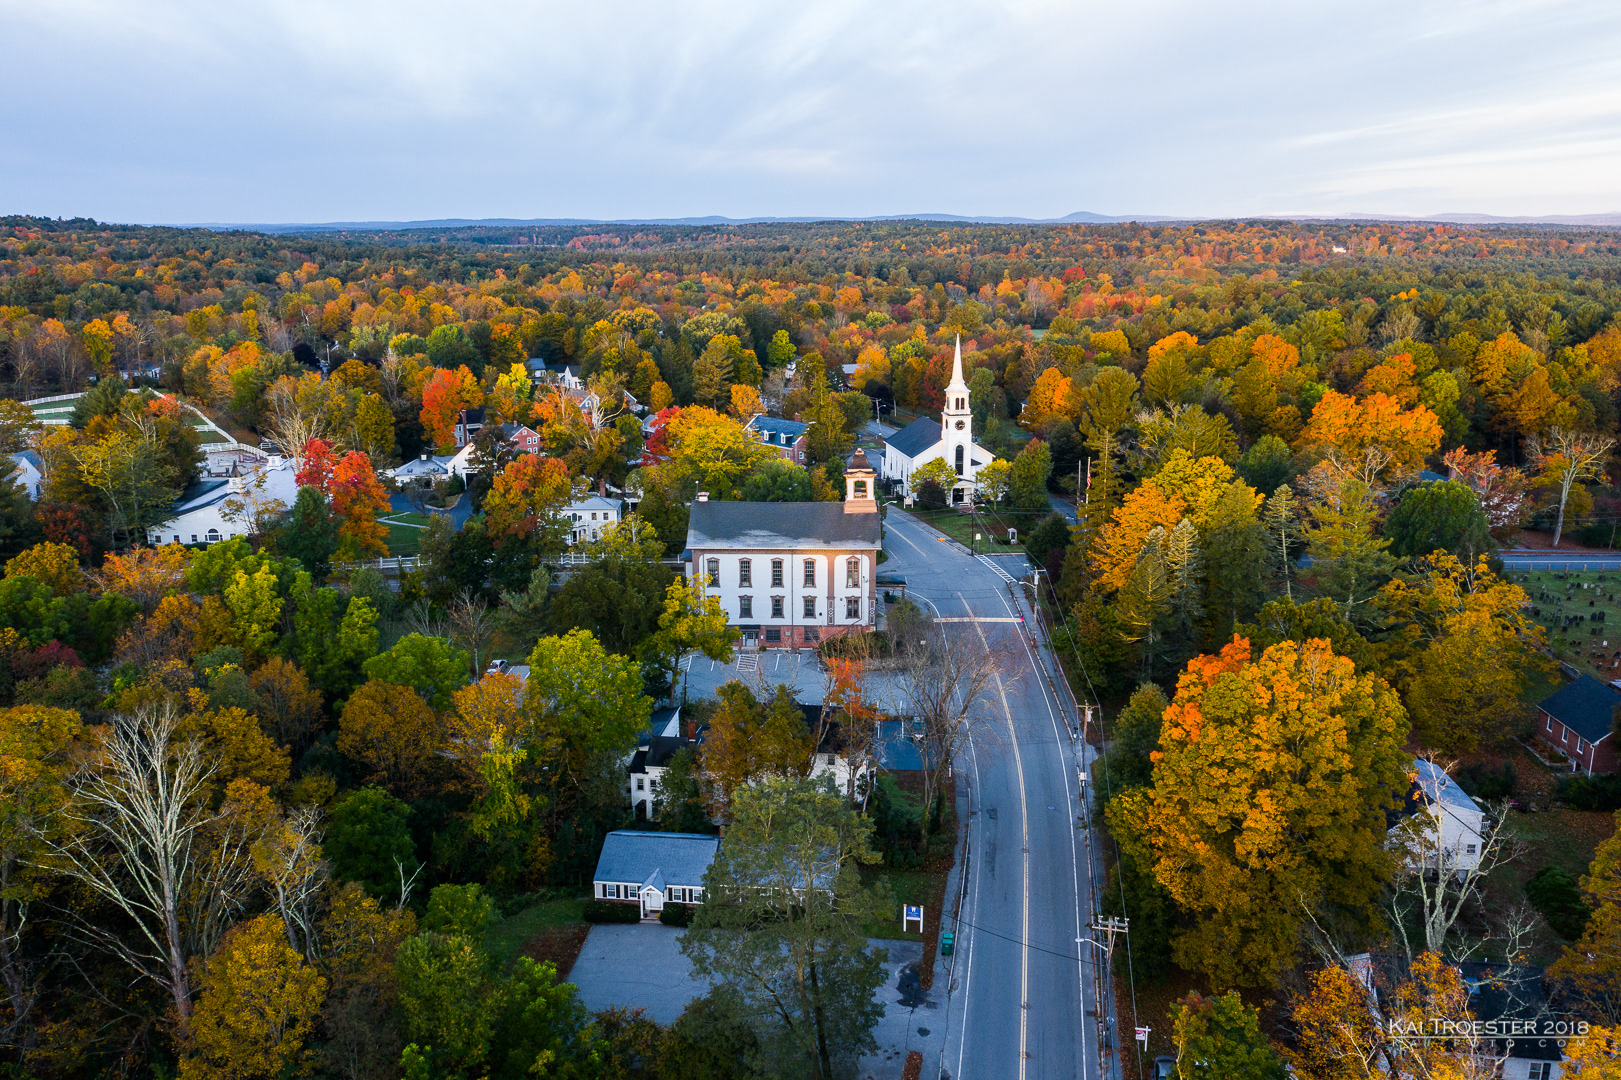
<point>852,573</point>
<point>959,461</point>
<point>776,573</point>
<point>852,607</point>
<point>745,607</point>
<point>714,573</point>
<point>776,607</point>
<point>745,574</point>
<point>773,635</point>
<point>1470,849</point>
<point>810,607</point>
<point>1581,747</point>
<point>1540,1070</point>
<point>812,634</point>
<point>1547,723</point>
<point>194,538</point>
<point>861,489</point>
<point>810,573</point>
<point>641,783</point>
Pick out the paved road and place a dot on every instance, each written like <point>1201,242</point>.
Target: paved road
<point>1561,561</point>
<point>1021,985</point>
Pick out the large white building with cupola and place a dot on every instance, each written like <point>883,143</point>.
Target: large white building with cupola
<point>950,440</point>
<point>791,574</point>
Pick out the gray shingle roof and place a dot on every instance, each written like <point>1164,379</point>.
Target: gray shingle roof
<point>787,430</point>
<point>1585,707</point>
<point>634,857</point>
<point>1436,784</point>
<point>716,524</point>
<point>916,437</point>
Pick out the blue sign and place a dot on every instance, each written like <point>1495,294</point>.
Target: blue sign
<point>914,912</point>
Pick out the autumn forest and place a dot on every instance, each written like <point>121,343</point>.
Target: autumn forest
<point>265,804</point>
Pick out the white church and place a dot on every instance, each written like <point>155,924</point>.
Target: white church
<point>951,440</point>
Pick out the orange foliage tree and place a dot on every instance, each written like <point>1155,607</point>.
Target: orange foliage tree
<point>527,498</point>
<point>1379,430</point>
<point>444,396</point>
<point>357,499</point>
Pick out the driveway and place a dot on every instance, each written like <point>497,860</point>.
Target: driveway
<point>638,966</point>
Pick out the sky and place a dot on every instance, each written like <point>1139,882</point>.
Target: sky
<point>175,111</point>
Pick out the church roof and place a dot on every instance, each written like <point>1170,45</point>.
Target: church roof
<point>718,524</point>
<point>916,437</point>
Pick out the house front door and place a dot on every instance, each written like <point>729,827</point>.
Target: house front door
<point>652,902</point>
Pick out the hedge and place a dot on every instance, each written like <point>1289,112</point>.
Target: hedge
<point>606,911</point>
<point>676,915</point>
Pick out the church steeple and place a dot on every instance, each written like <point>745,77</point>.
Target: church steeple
<point>957,383</point>
<point>957,419</point>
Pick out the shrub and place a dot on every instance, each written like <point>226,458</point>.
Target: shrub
<point>1553,892</point>
<point>676,915</point>
<point>870,643</point>
<point>607,911</point>
<point>1591,792</point>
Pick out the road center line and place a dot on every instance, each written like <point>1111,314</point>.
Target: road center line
<point>1024,827</point>
<point>1049,697</point>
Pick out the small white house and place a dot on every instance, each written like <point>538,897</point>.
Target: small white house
<point>652,869</point>
<point>1442,828</point>
<point>587,517</point>
<point>30,472</point>
<point>218,509</point>
<point>428,469</point>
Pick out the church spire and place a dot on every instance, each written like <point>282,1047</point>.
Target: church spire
<point>957,382</point>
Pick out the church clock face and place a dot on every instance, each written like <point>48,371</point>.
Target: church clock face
<point>959,425</point>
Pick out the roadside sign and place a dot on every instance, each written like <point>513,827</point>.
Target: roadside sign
<point>910,912</point>
<point>1142,1036</point>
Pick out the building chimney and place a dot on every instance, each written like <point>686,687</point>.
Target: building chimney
<point>424,457</point>
<point>703,496</point>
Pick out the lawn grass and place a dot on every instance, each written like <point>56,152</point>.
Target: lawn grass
<point>507,938</point>
<point>921,885</point>
<point>1594,598</point>
<point>404,540</point>
<point>1561,837</point>
<point>961,527</point>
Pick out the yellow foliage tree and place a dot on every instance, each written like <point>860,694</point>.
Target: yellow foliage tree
<point>1463,650</point>
<point>146,574</point>
<point>258,1006</point>
<point>745,401</point>
<point>1270,789</point>
<point>395,733</point>
<point>56,565</point>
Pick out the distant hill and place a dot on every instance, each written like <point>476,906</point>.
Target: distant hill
<point>1079,217</point>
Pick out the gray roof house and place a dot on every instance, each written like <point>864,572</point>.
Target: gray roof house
<point>653,868</point>
<point>779,525</point>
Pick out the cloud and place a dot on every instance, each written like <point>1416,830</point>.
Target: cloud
<point>186,111</point>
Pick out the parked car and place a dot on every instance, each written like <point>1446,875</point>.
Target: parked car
<point>1164,1067</point>
<point>497,667</point>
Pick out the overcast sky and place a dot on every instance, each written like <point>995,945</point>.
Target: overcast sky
<point>309,111</point>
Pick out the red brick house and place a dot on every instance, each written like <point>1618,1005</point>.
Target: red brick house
<point>1578,719</point>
